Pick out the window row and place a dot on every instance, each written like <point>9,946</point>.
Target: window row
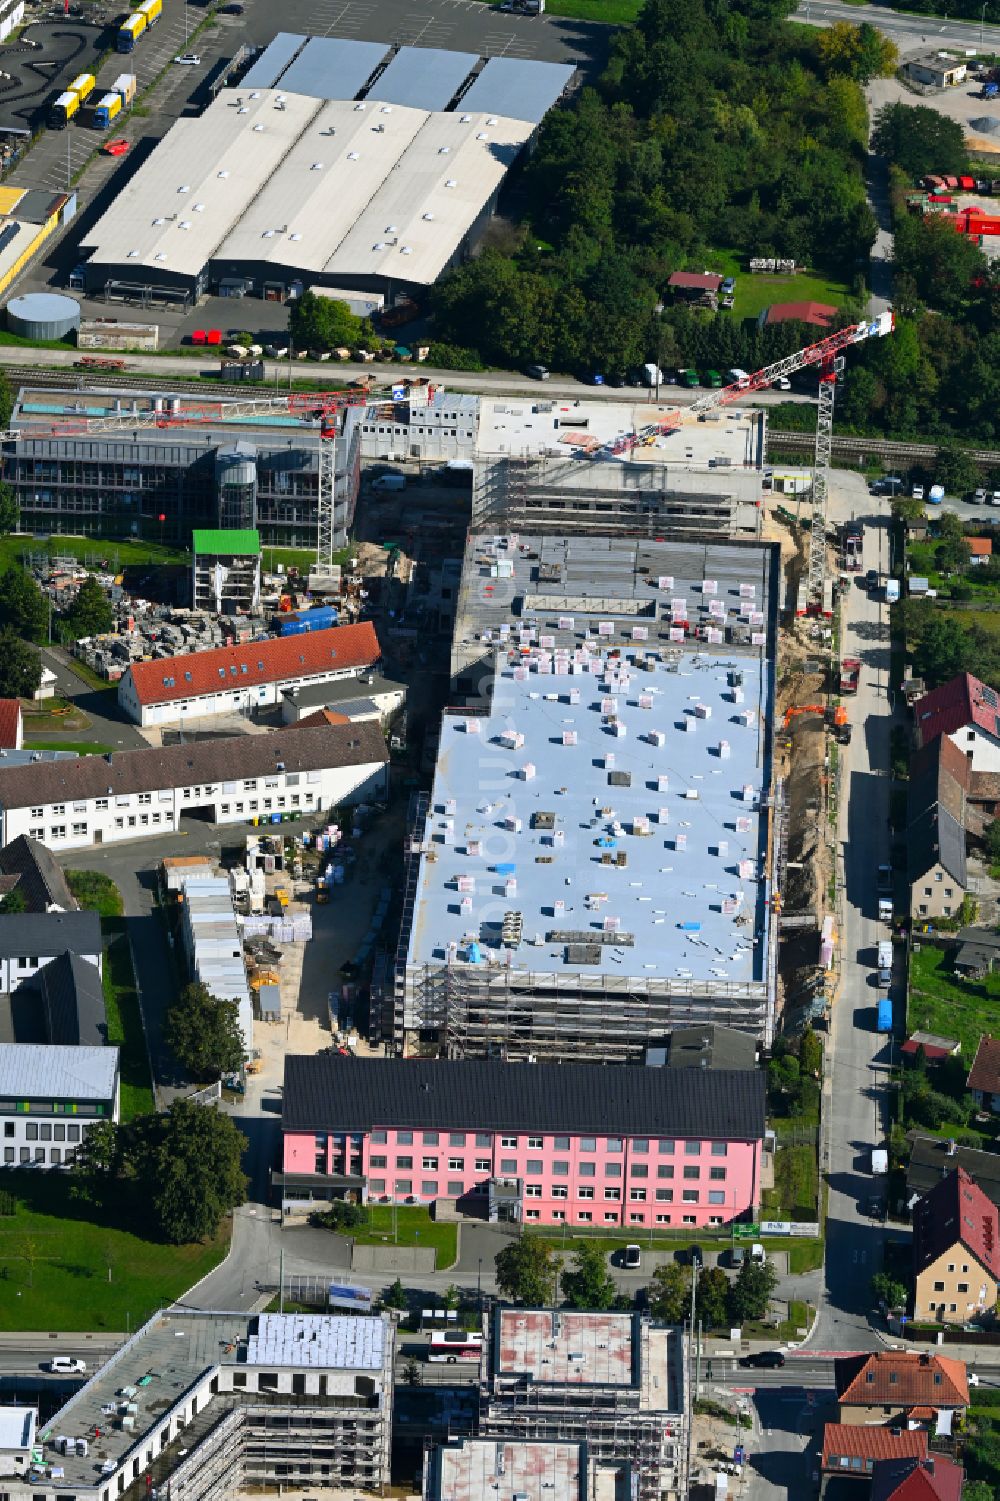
<point>637,1145</point>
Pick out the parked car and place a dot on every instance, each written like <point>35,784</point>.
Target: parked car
<point>68,1365</point>
<point>917,493</point>
<point>764,1360</point>
<point>231,10</point>
<point>115,148</point>
<point>188,59</point>
<point>537,372</point>
<point>782,383</point>
<point>728,286</point>
<point>632,1259</point>
<point>979,498</point>
<point>871,580</point>
<point>696,1256</point>
<point>737,1256</point>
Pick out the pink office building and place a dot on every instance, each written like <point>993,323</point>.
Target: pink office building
<point>581,1144</point>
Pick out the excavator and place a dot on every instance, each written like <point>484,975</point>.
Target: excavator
<point>835,717</point>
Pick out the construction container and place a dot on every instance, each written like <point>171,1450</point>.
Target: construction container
<point>151,9</point>
<point>63,109</point>
<point>129,32</point>
<point>106,109</point>
<point>125,85</point>
<point>83,86</point>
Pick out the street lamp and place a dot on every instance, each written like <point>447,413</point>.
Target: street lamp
<point>982,23</point>
<point>658,310</point>
<point>479,1285</point>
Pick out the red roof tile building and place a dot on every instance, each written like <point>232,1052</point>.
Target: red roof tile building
<point>930,1478</point>
<point>232,679</point>
<point>968,712</point>
<point>886,1386</point>
<point>956,1251</point>
<point>818,314</point>
<point>11,724</point>
<point>694,281</point>
<point>854,1451</point>
<point>983,1082</point>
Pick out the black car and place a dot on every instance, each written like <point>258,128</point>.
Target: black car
<point>871,578</point>
<point>696,1256</point>
<point>764,1360</point>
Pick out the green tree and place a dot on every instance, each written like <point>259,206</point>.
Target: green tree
<point>586,1282</point>
<point>20,666</point>
<point>944,649</point>
<point>905,508</point>
<point>943,265</point>
<point>10,511</point>
<point>978,1490</point>
<point>669,1293</point>
<point>712,1298</point>
<point>204,1032</point>
<point>889,1290</point>
<point>90,614</point>
<point>810,1053</point>
<point>23,606</point>
<point>395,1296</point>
<point>992,841</point>
<point>750,1295</point>
<point>14,901</point>
<point>862,52</point>
<point>322,323</point>
<point>956,469</point>
<point>189,1169</point>
<point>952,551</point>
<point>919,139</point>
<point>411,1372</point>
<point>98,1160</point>
<point>527,1271</point>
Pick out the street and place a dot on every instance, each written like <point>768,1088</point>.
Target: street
<point>907,31</point>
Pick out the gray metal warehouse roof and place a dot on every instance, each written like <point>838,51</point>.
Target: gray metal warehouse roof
<point>424,77</point>
<point>265,72</point>
<point>516,88</point>
<point>333,67</point>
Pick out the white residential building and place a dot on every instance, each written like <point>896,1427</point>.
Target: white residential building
<point>50,1096</point>
<point>29,940</point>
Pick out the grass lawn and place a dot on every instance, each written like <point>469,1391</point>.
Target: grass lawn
<point>55,1262</point>
<point>125,1021</point>
<point>414,1227</point>
<point>126,552</point>
<point>799,1317</point>
<point>940,1001</point>
<point>803,1255</point>
<point>95,892</point>
<point>793,1196</point>
<point>82,747</point>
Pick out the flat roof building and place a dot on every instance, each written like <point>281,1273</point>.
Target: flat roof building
<point>193,1400</point>
<point>613,1381</point>
<point>425,77</point>
<point>612,467</point>
<point>225,571</point>
<point>466,1469</point>
<point>52,1096</point>
<point>213,946</point>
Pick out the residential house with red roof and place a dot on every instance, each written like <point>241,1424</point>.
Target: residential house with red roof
<point>983,1082</point>
<point>968,712</point>
<point>956,1251</point>
<point>933,1477</point>
<point>11,724</point>
<point>693,283</point>
<point>816,314</point>
<point>895,1386</point>
<point>980,550</point>
<point>234,679</point>
<point>853,1452</point>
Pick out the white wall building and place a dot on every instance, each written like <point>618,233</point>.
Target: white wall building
<point>232,679</point>
<point>30,940</point>
<point>50,1096</point>
<point>444,427</point>
<point>11,16</point>
<point>144,793</point>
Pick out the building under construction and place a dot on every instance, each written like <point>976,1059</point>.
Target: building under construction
<point>600,467</point>
<point>593,865</point>
<point>166,476</point>
<point>614,1382</point>
<point>199,1406</point>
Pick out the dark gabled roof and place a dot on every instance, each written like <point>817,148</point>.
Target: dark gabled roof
<point>45,934</point>
<point>900,1378</point>
<point>326,1092</point>
<point>939,773</point>
<point>956,1212</point>
<point>985,1071</point>
<point>930,1478</point>
<point>38,874</point>
<point>711,1046</point>
<point>72,999</point>
<point>931,1159</point>
<point>936,838</point>
<point>204,762</point>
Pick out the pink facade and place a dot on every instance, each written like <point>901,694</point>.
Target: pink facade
<point>576,1179</point>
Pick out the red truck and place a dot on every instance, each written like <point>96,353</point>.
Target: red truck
<point>850,672</point>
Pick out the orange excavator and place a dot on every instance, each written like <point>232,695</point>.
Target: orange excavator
<point>835,717</point>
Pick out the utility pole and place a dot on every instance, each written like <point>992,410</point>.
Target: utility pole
<point>281,1280</point>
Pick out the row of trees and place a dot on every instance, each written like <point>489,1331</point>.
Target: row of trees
<point>178,1172</point>
<point>713,122</point>
<point>529,1271</point>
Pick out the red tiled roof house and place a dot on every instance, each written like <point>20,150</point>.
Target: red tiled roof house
<point>853,1452</point>
<point>983,1082</point>
<point>956,1251</point>
<point>11,724</point>
<point>930,1478</point>
<point>968,712</point>
<point>816,314</point>
<point>890,1385</point>
<point>232,679</point>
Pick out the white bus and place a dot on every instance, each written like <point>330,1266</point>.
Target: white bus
<point>455,1344</point>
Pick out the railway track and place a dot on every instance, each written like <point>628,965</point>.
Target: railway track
<point>883,448</point>
<point>111,380</point>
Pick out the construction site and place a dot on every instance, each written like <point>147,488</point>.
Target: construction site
<point>640,761</point>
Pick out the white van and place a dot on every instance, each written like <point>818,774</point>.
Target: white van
<point>68,1365</point>
<point>633,1258</point>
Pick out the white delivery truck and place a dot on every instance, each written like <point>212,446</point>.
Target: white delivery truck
<point>891,591</point>
<point>885,961</point>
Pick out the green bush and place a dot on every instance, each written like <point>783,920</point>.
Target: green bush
<point>340,1216</point>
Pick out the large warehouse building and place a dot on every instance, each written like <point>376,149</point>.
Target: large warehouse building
<point>336,163</point>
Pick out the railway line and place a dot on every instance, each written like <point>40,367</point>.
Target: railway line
<point>113,380</point>
<point>861,448</point>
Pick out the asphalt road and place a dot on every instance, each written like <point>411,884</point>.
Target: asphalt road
<point>907,31</point>
<point>107,725</point>
<point>854,1093</point>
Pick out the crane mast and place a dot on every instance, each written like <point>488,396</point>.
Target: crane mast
<point>828,355</point>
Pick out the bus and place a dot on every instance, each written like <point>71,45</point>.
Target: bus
<point>455,1344</point>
